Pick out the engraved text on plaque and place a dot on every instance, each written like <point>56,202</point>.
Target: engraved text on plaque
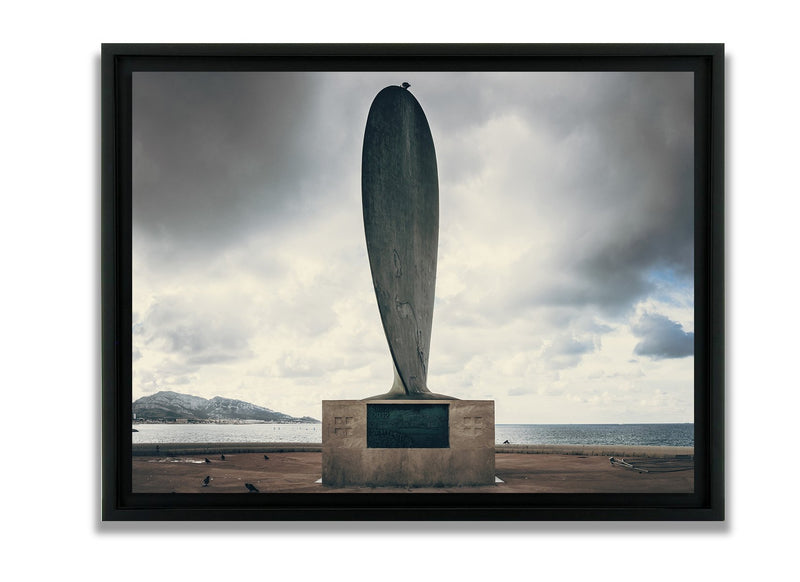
<point>408,426</point>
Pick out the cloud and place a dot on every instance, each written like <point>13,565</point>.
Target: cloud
<point>566,351</point>
<point>663,338</point>
<point>580,185</point>
<point>218,155</point>
<point>292,365</point>
<point>194,330</point>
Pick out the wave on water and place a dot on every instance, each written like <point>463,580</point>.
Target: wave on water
<point>656,435</point>
<point>228,433</point>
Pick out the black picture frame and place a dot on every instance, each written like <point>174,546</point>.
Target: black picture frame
<point>118,63</point>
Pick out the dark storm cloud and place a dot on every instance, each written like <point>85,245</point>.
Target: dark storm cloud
<point>216,154</point>
<point>614,177</point>
<point>638,189</point>
<point>662,338</point>
<point>631,188</point>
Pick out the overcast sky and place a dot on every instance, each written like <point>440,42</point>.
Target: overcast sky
<point>565,275</point>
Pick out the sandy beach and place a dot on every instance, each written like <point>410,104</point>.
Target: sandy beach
<point>296,468</point>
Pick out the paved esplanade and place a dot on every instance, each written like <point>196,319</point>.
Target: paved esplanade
<point>400,195</point>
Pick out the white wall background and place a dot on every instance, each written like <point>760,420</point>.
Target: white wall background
<point>50,298</point>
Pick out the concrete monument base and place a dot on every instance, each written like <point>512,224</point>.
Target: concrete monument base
<point>408,443</point>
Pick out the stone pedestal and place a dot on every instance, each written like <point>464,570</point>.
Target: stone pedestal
<point>408,443</point>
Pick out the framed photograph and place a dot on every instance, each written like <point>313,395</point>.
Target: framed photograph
<point>412,282</point>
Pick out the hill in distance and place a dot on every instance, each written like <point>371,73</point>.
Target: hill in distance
<point>166,405</point>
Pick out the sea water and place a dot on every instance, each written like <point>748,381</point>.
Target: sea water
<point>518,434</point>
<point>660,435</point>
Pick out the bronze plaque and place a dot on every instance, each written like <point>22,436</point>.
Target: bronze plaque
<point>408,426</point>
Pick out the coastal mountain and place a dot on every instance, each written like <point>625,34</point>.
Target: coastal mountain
<point>172,405</point>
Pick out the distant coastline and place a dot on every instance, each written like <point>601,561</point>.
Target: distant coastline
<point>173,407</point>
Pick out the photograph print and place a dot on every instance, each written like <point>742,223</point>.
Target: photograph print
<point>413,283</point>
